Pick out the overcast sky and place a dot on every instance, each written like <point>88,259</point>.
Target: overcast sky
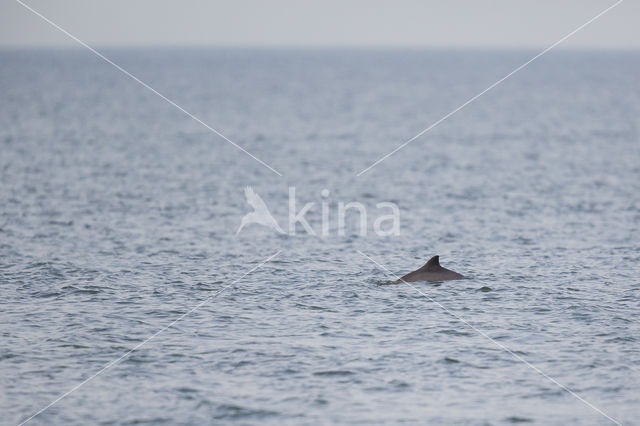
<point>445,23</point>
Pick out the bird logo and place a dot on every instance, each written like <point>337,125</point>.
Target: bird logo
<point>260,214</point>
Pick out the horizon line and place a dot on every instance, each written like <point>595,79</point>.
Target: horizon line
<point>311,47</point>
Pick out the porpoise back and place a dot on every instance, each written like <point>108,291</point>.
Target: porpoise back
<point>431,271</point>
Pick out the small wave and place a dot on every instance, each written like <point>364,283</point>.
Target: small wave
<point>332,373</point>
<point>455,332</point>
<point>230,411</point>
<point>517,419</point>
<point>154,420</point>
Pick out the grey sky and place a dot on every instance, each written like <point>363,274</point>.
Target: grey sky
<point>445,23</point>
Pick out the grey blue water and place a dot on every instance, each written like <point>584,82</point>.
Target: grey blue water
<point>118,215</point>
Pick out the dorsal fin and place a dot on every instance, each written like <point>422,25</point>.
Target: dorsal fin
<point>432,265</point>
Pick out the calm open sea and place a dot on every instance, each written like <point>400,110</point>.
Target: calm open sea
<point>118,215</point>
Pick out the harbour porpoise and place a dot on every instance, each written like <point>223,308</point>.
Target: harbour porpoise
<point>431,271</point>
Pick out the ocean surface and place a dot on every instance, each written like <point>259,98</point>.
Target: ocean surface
<point>118,216</point>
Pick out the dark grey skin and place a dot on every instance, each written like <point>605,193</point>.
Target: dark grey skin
<point>431,271</point>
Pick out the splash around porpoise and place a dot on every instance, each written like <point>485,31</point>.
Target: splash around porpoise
<point>430,271</point>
